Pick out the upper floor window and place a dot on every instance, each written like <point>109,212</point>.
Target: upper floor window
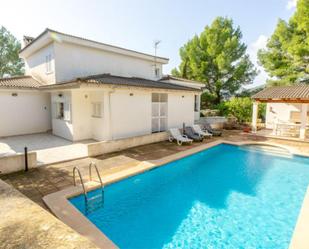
<point>157,72</point>
<point>48,63</point>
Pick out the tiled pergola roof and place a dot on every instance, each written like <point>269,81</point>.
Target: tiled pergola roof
<point>297,93</point>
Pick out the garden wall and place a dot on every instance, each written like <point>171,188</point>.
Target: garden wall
<point>100,148</point>
<point>14,163</point>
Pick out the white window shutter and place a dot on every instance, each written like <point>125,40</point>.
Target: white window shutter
<point>67,111</point>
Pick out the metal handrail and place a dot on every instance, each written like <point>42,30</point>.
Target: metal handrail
<point>81,180</point>
<point>99,176</point>
<point>96,168</point>
<point>87,201</point>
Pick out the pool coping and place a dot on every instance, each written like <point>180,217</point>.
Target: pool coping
<point>60,206</point>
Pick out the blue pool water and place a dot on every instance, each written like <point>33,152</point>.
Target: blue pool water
<point>223,197</point>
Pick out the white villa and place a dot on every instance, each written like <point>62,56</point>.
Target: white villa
<point>82,89</point>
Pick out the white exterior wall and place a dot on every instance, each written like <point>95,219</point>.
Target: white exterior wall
<point>76,61</point>
<point>80,126</point>
<point>124,113</point>
<point>180,109</point>
<point>280,111</point>
<point>130,115</point>
<point>99,130</point>
<point>60,127</point>
<point>28,112</point>
<point>81,115</point>
<point>196,85</point>
<point>35,65</point>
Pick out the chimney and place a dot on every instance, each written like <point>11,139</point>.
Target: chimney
<point>27,40</point>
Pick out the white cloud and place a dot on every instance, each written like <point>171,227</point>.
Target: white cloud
<point>291,4</point>
<point>253,48</point>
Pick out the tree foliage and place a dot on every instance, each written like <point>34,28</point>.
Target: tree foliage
<point>286,58</point>
<point>10,63</point>
<point>217,57</point>
<point>241,108</point>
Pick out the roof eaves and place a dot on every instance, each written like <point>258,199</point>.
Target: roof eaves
<point>143,86</point>
<point>99,79</point>
<point>85,39</point>
<point>68,84</point>
<point>170,77</point>
<point>16,82</point>
<point>284,92</point>
<point>34,40</point>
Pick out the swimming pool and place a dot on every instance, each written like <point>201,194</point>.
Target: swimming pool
<point>223,197</point>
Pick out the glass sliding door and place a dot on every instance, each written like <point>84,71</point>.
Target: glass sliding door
<point>159,112</point>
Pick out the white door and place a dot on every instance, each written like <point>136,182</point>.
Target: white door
<point>159,112</point>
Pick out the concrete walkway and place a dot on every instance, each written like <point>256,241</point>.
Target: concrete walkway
<point>49,148</point>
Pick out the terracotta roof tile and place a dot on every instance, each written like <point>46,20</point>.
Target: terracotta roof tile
<point>284,92</point>
<point>19,82</point>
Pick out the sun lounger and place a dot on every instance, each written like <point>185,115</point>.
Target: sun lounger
<point>180,138</point>
<point>193,135</point>
<point>208,128</point>
<point>199,131</point>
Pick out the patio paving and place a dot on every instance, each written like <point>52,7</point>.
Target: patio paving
<point>47,179</point>
<point>49,148</point>
<point>25,225</point>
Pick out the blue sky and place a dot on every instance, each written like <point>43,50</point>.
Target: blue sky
<point>135,24</point>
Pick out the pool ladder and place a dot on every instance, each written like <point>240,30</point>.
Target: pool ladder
<point>94,202</point>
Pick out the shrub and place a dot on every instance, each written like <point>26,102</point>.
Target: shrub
<point>241,108</point>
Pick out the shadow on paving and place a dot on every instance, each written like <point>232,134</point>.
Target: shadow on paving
<point>45,180</point>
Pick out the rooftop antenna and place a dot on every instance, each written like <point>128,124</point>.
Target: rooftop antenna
<point>156,45</point>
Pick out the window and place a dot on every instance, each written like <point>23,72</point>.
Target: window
<point>159,112</point>
<point>196,103</point>
<point>157,72</point>
<point>62,111</point>
<point>96,109</point>
<point>48,63</point>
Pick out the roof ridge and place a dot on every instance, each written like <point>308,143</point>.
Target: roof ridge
<point>295,85</point>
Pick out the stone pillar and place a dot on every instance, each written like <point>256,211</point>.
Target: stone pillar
<point>255,109</point>
<point>303,121</point>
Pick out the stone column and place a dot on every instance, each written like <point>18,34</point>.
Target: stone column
<point>303,121</point>
<point>255,109</point>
